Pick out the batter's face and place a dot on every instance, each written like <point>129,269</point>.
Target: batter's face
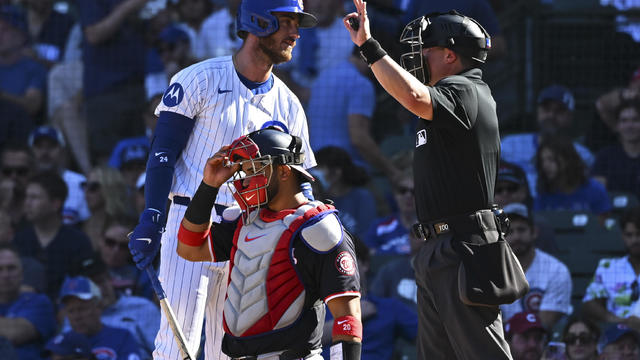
<point>279,45</point>
<point>527,346</point>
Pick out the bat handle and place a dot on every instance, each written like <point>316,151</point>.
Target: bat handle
<point>155,282</point>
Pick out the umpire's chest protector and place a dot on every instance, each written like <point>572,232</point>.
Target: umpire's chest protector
<point>265,291</point>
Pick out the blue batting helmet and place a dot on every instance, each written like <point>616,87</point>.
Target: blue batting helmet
<point>256,16</point>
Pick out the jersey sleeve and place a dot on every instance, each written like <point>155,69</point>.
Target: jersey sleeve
<point>448,98</point>
<point>38,310</point>
<point>597,289</point>
<point>557,297</point>
<point>185,95</point>
<point>336,271</point>
<point>221,240</point>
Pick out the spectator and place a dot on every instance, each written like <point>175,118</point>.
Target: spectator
<point>49,30</point>
<point>127,153</point>
<point>107,198</point>
<point>7,350</point>
<point>617,166</point>
<point>320,48</point>
<point>55,245</point>
<point>133,162</point>
<point>563,183</point>
<point>526,336</point>
<point>612,296</point>
<point>512,187</point>
<point>619,343</point>
<point>396,279</point>
<point>549,279</point>
<point>114,60</point>
<point>218,32</point>
<point>16,164</point>
<point>48,145</point>
<point>26,319</point>
<point>172,53</point>
<point>114,252</point>
<point>192,15</point>
<point>139,193</point>
<point>22,79</point>
<point>69,345</point>
<point>138,315</point>
<point>344,182</point>
<point>390,234</point>
<point>554,116</point>
<point>81,299</point>
<point>384,319</point>
<point>581,339</point>
<point>341,117</point>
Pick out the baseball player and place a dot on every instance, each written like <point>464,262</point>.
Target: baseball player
<point>287,255</point>
<point>206,106</point>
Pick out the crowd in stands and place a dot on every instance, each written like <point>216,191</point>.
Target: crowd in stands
<point>79,84</point>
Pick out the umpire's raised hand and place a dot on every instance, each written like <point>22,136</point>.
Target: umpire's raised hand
<point>360,32</point>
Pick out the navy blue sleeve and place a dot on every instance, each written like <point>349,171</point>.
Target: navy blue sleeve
<point>170,138</point>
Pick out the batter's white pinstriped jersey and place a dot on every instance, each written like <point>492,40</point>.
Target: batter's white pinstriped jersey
<point>224,109</point>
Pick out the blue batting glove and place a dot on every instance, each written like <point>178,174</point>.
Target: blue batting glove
<point>144,241</point>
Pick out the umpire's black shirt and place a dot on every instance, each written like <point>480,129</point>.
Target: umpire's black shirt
<point>457,153</point>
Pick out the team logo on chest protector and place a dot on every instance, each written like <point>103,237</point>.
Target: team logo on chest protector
<point>265,292</point>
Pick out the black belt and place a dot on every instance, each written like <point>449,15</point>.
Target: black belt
<point>181,200</point>
<point>286,355</point>
<point>477,221</point>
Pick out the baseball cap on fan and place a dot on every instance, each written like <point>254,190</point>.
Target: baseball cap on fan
<point>615,332</point>
<point>511,173</point>
<point>557,93</point>
<point>46,132</point>
<point>523,322</point>
<point>80,287</point>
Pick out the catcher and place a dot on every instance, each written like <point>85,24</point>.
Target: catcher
<point>287,255</point>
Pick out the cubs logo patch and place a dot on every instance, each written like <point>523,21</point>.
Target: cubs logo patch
<point>173,95</point>
<point>345,263</point>
<point>531,301</point>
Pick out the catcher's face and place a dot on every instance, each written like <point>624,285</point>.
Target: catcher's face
<point>279,45</point>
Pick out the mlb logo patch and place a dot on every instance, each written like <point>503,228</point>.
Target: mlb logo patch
<point>421,137</point>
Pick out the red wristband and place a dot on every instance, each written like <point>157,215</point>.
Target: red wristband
<point>192,238</point>
<point>347,325</point>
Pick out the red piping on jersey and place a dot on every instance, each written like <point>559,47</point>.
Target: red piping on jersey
<point>283,283</point>
<point>192,238</point>
<point>340,294</point>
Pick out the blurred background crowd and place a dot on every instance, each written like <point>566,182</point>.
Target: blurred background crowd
<point>79,82</point>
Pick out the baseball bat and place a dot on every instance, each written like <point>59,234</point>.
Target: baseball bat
<point>181,340</point>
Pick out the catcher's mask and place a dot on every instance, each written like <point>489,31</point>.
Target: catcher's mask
<point>452,30</point>
<point>257,153</point>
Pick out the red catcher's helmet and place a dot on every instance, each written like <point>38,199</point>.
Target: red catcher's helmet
<point>261,150</point>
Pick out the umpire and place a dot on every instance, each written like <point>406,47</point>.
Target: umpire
<point>455,163</point>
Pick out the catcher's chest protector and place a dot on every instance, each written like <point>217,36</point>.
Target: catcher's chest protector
<point>265,293</point>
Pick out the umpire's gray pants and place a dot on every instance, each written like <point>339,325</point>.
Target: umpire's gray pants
<point>447,328</point>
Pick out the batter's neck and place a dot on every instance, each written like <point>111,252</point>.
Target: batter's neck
<point>252,66</point>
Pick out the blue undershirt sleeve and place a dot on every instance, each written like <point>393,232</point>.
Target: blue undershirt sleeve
<point>170,138</point>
